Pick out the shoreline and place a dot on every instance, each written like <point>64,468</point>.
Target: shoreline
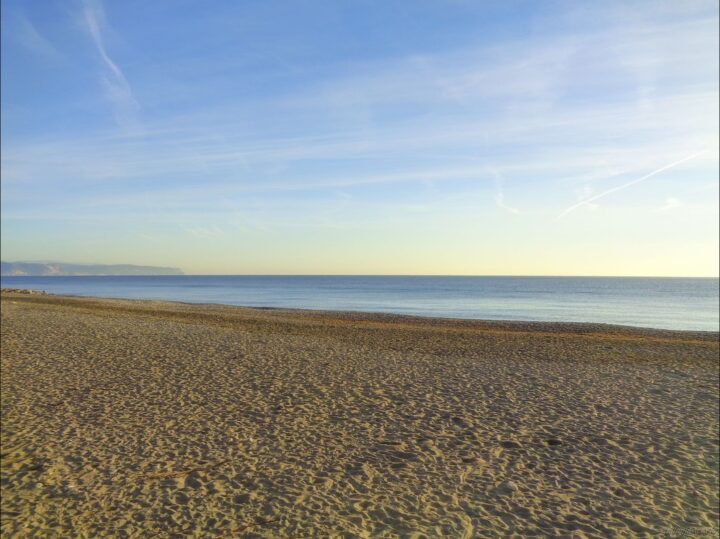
<point>386,317</point>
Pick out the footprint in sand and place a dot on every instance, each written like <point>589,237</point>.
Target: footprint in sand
<point>552,442</point>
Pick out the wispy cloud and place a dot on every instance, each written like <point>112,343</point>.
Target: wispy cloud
<point>671,203</point>
<point>204,232</point>
<point>500,194</point>
<point>626,185</point>
<point>113,79</point>
<point>29,36</point>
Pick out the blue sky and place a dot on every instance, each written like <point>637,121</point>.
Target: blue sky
<point>363,137</point>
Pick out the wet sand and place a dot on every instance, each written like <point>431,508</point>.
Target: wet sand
<point>151,419</point>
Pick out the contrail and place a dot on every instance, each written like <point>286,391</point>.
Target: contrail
<point>619,187</point>
<point>118,85</point>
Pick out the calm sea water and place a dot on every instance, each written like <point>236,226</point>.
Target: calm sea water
<point>689,304</point>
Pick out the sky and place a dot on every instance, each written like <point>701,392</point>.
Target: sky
<point>358,137</point>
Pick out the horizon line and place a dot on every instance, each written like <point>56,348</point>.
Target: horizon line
<point>387,275</point>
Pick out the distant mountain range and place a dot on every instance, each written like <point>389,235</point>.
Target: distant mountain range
<point>60,268</point>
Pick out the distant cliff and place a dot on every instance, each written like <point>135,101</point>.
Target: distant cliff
<point>59,268</point>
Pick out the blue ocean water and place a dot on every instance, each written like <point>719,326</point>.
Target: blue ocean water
<point>668,303</point>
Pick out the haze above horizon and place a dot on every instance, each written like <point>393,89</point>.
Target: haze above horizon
<point>430,138</point>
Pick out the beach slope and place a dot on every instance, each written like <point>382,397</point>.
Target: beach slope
<point>139,418</point>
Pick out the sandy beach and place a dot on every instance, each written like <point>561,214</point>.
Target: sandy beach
<point>151,419</point>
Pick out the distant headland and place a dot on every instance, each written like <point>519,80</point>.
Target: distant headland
<point>61,268</point>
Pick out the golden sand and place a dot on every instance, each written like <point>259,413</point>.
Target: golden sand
<point>150,419</point>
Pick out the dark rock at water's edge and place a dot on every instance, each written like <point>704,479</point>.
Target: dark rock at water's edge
<point>60,268</point>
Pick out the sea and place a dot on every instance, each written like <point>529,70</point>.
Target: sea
<point>663,303</point>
